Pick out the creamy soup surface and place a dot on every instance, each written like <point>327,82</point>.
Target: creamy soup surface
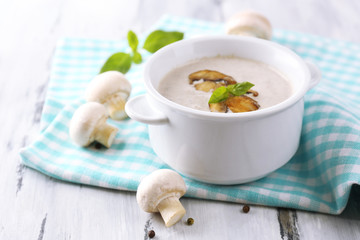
<point>272,86</point>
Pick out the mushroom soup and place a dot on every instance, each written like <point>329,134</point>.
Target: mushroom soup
<point>194,83</point>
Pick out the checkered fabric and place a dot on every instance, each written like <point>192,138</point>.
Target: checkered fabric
<point>318,178</point>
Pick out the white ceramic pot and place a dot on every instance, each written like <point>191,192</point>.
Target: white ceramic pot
<point>224,148</point>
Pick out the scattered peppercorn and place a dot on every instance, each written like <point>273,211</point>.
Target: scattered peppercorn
<point>151,234</point>
<point>190,221</point>
<point>246,208</point>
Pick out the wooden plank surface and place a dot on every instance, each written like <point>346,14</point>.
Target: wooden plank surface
<point>34,206</point>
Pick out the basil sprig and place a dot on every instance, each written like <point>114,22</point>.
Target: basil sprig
<point>121,61</point>
<point>222,93</point>
<point>133,43</point>
<point>159,39</point>
<point>118,61</point>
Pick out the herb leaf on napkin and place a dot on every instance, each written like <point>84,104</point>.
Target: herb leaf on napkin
<point>159,39</point>
<point>122,61</point>
<point>133,40</point>
<point>133,43</point>
<point>136,57</point>
<point>117,62</point>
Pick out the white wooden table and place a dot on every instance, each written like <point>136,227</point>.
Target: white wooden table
<point>34,206</point>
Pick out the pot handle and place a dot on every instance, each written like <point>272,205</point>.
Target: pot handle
<point>139,109</point>
<point>315,74</point>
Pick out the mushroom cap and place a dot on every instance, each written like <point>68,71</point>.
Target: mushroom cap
<point>84,121</point>
<point>106,84</point>
<point>249,23</point>
<point>160,184</point>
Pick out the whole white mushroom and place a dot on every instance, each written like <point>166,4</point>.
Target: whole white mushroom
<point>160,192</point>
<point>249,23</point>
<point>111,89</point>
<point>88,124</point>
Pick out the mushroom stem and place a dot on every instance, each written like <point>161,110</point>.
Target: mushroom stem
<point>116,107</point>
<point>105,134</point>
<point>171,210</point>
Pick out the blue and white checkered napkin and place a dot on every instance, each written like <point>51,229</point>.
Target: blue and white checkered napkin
<point>318,178</point>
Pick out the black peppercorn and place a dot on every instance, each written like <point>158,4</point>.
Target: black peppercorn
<point>246,208</point>
<point>190,221</point>
<point>151,233</point>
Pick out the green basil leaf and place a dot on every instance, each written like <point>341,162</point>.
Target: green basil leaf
<point>118,62</point>
<point>239,89</point>
<point>159,39</point>
<point>137,57</point>
<point>220,94</point>
<point>133,40</point>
